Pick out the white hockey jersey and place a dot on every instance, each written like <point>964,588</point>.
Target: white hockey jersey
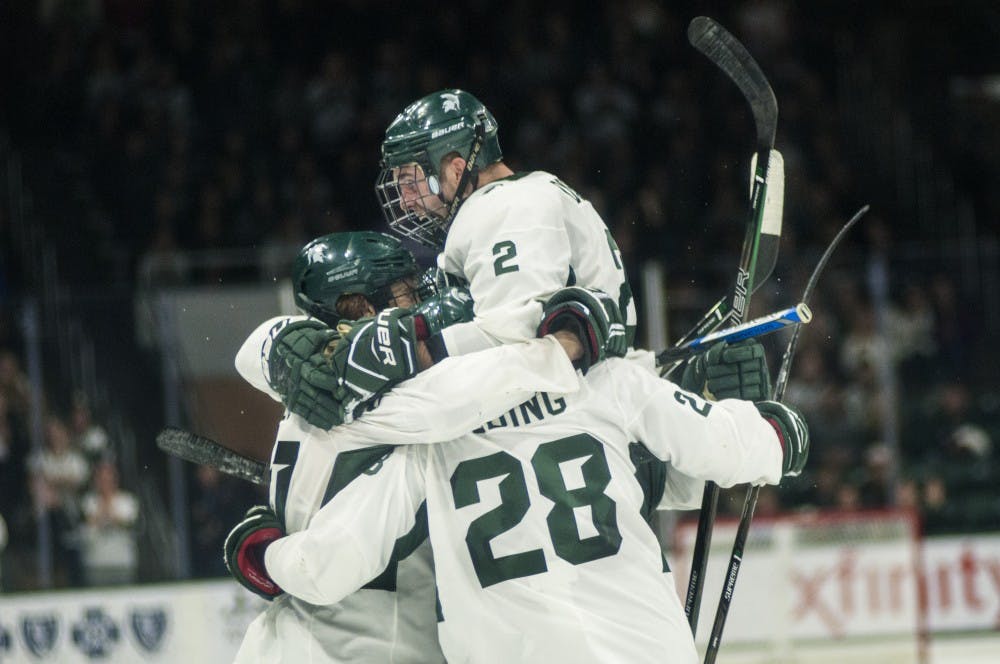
<point>541,549</point>
<point>392,617</point>
<point>517,241</point>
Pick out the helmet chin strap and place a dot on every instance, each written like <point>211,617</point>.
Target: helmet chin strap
<point>470,175</point>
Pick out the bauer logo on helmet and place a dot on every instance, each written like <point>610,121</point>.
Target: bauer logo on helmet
<point>437,133</point>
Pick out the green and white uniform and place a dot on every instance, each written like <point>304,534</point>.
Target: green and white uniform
<point>537,522</point>
<point>518,240</point>
<point>391,618</point>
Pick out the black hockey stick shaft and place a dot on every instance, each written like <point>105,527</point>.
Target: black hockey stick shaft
<point>726,52</point>
<point>205,451</point>
<point>750,503</point>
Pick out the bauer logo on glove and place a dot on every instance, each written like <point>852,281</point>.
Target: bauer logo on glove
<point>383,338</point>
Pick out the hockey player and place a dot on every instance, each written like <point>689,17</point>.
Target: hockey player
<point>514,238</point>
<point>536,518</point>
<point>343,276</point>
<point>391,618</point>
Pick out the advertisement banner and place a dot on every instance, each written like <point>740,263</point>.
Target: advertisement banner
<point>962,575</point>
<point>786,591</point>
<point>847,576</point>
<point>184,622</point>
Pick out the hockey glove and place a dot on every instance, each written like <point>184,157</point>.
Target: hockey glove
<point>593,316</point>
<point>293,345</point>
<point>295,354</point>
<point>243,551</point>
<point>377,353</point>
<point>729,371</point>
<point>316,405</point>
<point>450,306</point>
<point>793,433</point>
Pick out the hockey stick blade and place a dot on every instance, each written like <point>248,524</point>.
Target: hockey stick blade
<point>753,493</point>
<point>205,451</point>
<point>772,212</point>
<point>722,48</point>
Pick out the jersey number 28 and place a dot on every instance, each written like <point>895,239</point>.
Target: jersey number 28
<point>514,504</point>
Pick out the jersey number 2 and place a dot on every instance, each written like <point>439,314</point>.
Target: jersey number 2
<point>505,253</point>
<point>514,504</point>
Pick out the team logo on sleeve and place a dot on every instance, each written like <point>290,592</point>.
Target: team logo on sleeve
<point>149,627</point>
<point>39,633</point>
<point>96,634</point>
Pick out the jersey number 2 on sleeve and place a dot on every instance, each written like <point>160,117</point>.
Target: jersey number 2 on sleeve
<point>703,408</point>
<point>515,501</point>
<point>505,253</point>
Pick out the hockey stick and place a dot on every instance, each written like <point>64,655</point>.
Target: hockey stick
<point>757,327</point>
<point>205,451</point>
<point>769,236</point>
<point>743,530</point>
<point>727,53</point>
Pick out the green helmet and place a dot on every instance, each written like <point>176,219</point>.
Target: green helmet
<point>424,133</point>
<point>338,264</point>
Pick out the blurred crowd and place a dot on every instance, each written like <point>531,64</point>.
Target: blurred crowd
<point>66,492</point>
<point>153,131</point>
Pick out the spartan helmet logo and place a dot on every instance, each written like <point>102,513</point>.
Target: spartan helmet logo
<point>450,102</point>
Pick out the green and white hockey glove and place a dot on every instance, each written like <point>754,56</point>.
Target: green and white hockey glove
<point>243,551</point>
<point>295,352</point>
<point>316,405</point>
<point>294,344</point>
<point>729,371</point>
<point>793,433</point>
<point>374,355</point>
<point>449,306</point>
<point>593,316</point>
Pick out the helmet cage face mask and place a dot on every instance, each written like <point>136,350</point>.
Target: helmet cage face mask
<point>424,134</point>
<point>429,283</point>
<point>419,222</point>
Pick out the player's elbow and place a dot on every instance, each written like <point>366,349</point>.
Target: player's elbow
<point>322,576</point>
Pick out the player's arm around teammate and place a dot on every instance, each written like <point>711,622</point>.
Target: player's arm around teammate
<point>443,402</point>
<point>379,508</point>
<point>729,442</point>
<point>349,541</point>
